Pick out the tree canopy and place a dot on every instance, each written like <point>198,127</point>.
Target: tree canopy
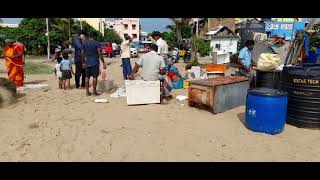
<point>32,32</point>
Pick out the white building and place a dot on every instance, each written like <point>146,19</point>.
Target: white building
<point>109,24</point>
<point>96,23</point>
<point>143,36</point>
<point>223,39</point>
<point>8,25</point>
<point>128,26</point>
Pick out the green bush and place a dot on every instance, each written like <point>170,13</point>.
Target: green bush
<point>170,38</point>
<point>202,46</point>
<point>193,62</point>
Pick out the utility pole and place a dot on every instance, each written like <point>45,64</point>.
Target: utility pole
<point>197,27</point>
<point>48,47</point>
<point>80,23</point>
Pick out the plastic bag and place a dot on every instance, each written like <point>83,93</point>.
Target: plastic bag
<point>268,61</point>
<point>104,75</point>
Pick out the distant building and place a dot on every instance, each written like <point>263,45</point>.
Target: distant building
<point>127,26</point>
<point>9,25</point>
<point>143,36</point>
<point>109,24</point>
<point>286,19</point>
<point>223,39</point>
<point>96,23</point>
<point>216,22</point>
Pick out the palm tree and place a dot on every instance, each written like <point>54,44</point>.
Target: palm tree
<point>63,25</point>
<point>178,24</point>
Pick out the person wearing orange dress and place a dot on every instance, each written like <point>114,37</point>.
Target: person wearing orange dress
<point>14,62</point>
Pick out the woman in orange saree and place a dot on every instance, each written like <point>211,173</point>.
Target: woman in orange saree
<point>13,55</point>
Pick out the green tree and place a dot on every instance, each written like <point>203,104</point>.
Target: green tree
<point>32,31</point>
<point>112,36</point>
<point>88,29</point>
<point>201,46</point>
<point>179,23</point>
<point>64,27</point>
<point>169,37</point>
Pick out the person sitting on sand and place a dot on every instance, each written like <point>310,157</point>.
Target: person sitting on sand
<point>66,70</point>
<point>153,69</point>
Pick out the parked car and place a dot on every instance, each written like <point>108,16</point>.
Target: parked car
<point>118,51</point>
<point>133,50</point>
<point>104,48</point>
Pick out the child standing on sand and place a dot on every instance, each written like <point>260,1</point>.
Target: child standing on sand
<point>66,69</point>
<point>58,73</point>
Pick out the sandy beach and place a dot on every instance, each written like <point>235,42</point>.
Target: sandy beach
<point>57,125</point>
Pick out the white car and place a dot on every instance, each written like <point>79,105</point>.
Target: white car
<point>133,51</point>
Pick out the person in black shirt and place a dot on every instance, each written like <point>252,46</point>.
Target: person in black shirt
<point>80,72</point>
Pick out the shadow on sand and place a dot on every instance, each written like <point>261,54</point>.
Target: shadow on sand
<point>36,82</point>
<point>241,117</point>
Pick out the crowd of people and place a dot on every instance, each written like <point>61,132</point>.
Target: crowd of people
<point>87,55</point>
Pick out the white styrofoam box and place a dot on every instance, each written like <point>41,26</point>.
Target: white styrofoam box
<point>220,57</point>
<point>196,70</point>
<point>142,92</point>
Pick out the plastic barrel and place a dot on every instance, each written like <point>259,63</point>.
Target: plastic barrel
<point>313,57</point>
<point>302,82</point>
<point>268,79</point>
<point>266,110</point>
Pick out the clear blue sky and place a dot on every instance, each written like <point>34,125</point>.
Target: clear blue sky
<point>148,24</point>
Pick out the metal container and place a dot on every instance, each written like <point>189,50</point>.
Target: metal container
<point>218,94</point>
<point>302,83</point>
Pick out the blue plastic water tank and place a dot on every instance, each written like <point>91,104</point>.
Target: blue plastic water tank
<point>266,110</point>
<point>313,57</point>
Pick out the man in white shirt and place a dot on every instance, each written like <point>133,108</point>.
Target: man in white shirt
<point>114,49</point>
<point>153,69</point>
<point>125,56</point>
<point>162,47</point>
<point>152,65</point>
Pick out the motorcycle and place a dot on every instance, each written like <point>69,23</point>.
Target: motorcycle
<point>187,56</point>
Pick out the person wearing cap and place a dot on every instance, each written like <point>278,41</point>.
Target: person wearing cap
<point>14,62</point>
<point>162,47</point>
<point>77,46</point>
<point>125,56</point>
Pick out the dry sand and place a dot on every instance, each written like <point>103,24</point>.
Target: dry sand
<point>57,125</point>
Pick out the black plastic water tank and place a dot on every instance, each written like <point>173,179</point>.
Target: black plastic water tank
<point>268,79</point>
<point>302,82</point>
